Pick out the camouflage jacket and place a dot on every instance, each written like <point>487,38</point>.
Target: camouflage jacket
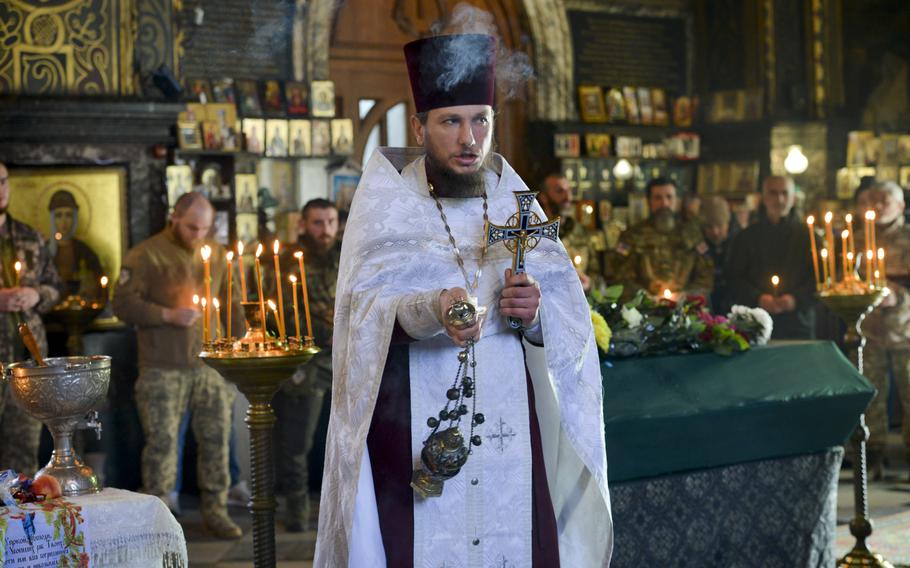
<point>584,248</point>
<point>656,260</point>
<point>890,325</point>
<point>21,242</point>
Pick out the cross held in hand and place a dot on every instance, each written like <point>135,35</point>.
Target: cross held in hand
<point>523,230</point>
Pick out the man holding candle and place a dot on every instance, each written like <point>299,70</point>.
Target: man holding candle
<point>298,405</point>
<point>887,328</point>
<point>777,244</point>
<point>154,293</point>
<point>23,297</point>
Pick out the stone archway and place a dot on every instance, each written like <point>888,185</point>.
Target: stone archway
<point>552,97</point>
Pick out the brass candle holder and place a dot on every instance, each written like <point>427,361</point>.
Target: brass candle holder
<point>258,364</point>
<point>852,308</point>
<point>75,313</point>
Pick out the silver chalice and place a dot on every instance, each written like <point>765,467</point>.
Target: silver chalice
<point>63,394</point>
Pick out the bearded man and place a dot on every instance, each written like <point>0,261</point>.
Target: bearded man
<point>533,491</point>
<point>663,252</point>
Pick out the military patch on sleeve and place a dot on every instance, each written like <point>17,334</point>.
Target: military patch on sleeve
<point>623,249</point>
<point>124,275</point>
<point>702,248</point>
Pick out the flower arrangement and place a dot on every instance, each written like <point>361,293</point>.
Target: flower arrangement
<point>657,326</point>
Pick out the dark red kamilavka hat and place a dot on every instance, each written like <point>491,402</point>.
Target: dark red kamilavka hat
<point>452,70</point>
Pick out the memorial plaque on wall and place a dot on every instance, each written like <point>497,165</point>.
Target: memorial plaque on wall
<point>623,49</point>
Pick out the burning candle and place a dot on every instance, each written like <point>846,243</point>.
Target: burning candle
<point>829,244</point>
<point>775,282</point>
<point>207,268</point>
<point>18,268</point>
<point>824,267</point>
<point>869,255</point>
<point>205,323</point>
<point>104,280</point>
<point>306,300</point>
<point>881,267</point>
<point>850,246</point>
<point>810,221</point>
<point>668,295</point>
<point>217,306</point>
<point>577,260</point>
<point>274,312</point>
<point>844,238</point>
<point>230,288</point>
<point>852,264</point>
<point>872,244</point>
<point>259,283</point>
<point>293,280</point>
<point>243,295</point>
<point>278,285</point>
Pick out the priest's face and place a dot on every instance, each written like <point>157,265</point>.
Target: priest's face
<point>457,139</point>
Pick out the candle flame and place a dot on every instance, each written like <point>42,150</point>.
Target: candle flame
<point>272,305</point>
<point>850,255</point>
<point>881,254</point>
<point>195,299</point>
<point>869,254</point>
<point>844,234</point>
<point>667,293</point>
<point>824,253</point>
<point>810,220</point>
<point>58,236</point>
<point>877,274</point>
<point>206,252</point>
<point>230,255</point>
<point>275,246</point>
<point>298,254</point>
<point>202,301</point>
<point>828,216</point>
<point>239,248</point>
<point>849,218</point>
<point>216,303</point>
<point>589,209</point>
<point>293,279</point>
<point>870,215</point>
<point>775,280</point>
<point>259,250</point>
<point>18,266</point>
<point>577,259</point>
<point>104,281</point>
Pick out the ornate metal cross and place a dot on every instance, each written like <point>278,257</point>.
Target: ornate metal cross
<point>521,233</point>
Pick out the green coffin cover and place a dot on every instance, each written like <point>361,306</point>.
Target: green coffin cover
<point>688,412</point>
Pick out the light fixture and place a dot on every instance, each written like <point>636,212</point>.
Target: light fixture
<point>796,162</point>
<point>622,170</point>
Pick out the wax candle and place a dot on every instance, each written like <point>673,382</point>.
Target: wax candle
<point>306,299</point>
<point>259,284</point>
<point>869,269</point>
<point>775,282</point>
<point>824,254</point>
<point>243,296</point>
<point>881,267</point>
<point>18,268</point>
<point>207,269</point>
<point>829,244</point>
<point>844,238</point>
<point>205,323</point>
<point>278,285</point>
<point>850,245</point>
<point>230,290</point>
<point>668,295</point>
<point>810,221</point>
<point>104,280</point>
<point>272,307</point>
<point>293,280</point>
<point>852,264</point>
<point>217,306</point>
<point>873,245</point>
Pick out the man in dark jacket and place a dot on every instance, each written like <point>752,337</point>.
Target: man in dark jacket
<point>777,244</point>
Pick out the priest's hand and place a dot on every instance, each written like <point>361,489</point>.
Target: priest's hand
<point>459,335</point>
<point>520,298</point>
<point>180,317</point>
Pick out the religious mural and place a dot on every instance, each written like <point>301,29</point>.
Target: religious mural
<point>81,212</point>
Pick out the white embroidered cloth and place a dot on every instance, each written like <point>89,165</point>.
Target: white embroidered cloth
<point>395,246</point>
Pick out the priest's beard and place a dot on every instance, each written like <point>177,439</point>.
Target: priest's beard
<point>448,183</point>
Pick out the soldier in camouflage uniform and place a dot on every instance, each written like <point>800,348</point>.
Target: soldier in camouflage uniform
<point>299,402</point>
<point>887,328</point>
<point>37,291</point>
<point>663,252</point>
<point>154,293</point>
<point>584,248</point>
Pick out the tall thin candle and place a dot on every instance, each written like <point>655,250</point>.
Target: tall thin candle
<point>306,299</point>
<point>829,244</point>
<point>18,268</point>
<point>881,267</point>
<point>810,221</point>
<point>825,267</point>
<point>850,245</point>
<point>278,285</point>
<point>261,296</point>
<point>844,238</point>
<point>217,306</point>
<point>869,255</point>
<point>775,282</point>
<point>207,268</point>
<point>243,296</point>
<point>230,290</point>
<point>205,323</point>
<point>293,280</point>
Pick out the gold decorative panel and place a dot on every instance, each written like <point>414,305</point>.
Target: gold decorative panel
<point>53,47</point>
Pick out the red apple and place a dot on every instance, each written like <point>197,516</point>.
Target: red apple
<point>48,486</point>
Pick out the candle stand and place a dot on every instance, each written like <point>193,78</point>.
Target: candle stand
<point>852,308</point>
<point>75,313</point>
<point>258,364</point>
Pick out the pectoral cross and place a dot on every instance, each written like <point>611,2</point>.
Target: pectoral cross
<point>521,233</point>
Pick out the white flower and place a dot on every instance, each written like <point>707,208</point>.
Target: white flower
<point>759,316</point>
<point>631,316</point>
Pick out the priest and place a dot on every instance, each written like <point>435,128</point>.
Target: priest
<point>533,491</point>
